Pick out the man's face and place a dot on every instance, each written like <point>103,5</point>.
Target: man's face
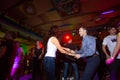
<point>113,31</point>
<point>37,43</point>
<point>81,32</point>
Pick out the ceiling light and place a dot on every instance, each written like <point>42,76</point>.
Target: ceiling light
<point>107,12</point>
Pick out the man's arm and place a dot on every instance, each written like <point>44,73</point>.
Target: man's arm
<point>117,47</point>
<point>115,52</point>
<point>105,51</point>
<point>88,47</point>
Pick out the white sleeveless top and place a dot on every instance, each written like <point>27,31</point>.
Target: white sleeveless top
<point>51,49</point>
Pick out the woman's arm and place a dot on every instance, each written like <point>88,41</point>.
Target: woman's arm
<point>55,41</point>
<point>117,47</point>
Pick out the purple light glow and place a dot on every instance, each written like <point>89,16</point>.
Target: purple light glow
<point>107,12</point>
<point>15,66</point>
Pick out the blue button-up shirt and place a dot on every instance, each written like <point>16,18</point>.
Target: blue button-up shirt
<point>88,47</point>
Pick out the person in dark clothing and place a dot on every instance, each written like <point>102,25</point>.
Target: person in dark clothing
<point>18,61</point>
<point>68,63</point>
<point>7,56</point>
<point>38,53</point>
<point>102,72</point>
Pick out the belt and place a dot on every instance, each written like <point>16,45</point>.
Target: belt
<point>92,55</point>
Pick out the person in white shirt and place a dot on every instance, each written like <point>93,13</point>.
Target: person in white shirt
<point>110,42</point>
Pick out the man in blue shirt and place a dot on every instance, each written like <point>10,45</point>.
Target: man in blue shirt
<point>88,51</point>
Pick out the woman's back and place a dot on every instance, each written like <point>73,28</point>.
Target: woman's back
<point>51,48</point>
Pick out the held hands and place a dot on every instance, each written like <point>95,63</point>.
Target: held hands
<point>77,56</point>
<point>69,50</point>
<point>110,60</point>
<point>72,53</point>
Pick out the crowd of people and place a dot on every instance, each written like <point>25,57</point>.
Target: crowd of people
<point>44,56</point>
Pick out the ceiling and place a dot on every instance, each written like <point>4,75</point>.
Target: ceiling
<point>38,15</point>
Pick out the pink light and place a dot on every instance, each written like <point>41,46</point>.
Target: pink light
<point>15,66</point>
<point>107,12</point>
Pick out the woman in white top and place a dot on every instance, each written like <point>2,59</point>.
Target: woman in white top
<point>52,45</point>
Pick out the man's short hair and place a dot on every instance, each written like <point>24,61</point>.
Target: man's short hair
<point>109,28</point>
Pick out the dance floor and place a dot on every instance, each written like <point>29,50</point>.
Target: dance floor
<point>26,77</point>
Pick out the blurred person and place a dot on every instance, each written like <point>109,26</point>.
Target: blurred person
<point>89,52</point>
<point>68,63</point>
<point>114,59</point>
<point>109,42</point>
<point>30,60</point>
<point>1,49</point>
<point>117,47</point>
<point>38,53</point>
<point>7,55</point>
<point>52,45</point>
<point>102,65</point>
<point>15,72</point>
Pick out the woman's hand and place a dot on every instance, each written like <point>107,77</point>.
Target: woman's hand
<point>66,49</point>
<point>72,51</point>
<point>110,60</point>
<point>69,50</point>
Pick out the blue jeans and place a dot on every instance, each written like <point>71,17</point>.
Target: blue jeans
<point>92,64</point>
<point>75,67</point>
<point>49,64</point>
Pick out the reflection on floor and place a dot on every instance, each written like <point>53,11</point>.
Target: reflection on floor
<point>26,77</point>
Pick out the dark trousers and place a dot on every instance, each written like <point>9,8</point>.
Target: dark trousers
<point>36,73</point>
<point>91,66</point>
<point>75,67</point>
<point>114,70</point>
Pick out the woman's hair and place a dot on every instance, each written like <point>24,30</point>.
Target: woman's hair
<point>53,30</point>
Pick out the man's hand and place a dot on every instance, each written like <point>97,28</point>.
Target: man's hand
<point>77,56</point>
<point>107,56</point>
